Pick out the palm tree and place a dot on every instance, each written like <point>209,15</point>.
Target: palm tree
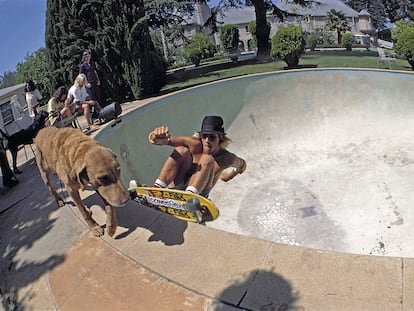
<point>336,20</point>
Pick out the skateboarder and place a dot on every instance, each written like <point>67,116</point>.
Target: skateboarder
<point>197,161</point>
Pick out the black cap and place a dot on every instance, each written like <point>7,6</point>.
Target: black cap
<point>212,125</point>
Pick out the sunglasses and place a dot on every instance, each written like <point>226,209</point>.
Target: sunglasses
<point>209,136</point>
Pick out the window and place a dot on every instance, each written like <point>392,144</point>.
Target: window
<point>6,113</point>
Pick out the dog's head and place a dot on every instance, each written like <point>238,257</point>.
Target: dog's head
<point>39,120</point>
<point>41,116</point>
<point>102,171</point>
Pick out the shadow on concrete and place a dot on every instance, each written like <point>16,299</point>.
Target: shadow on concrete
<point>164,228</point>
<point>21,227</point>
<point>262,290</point>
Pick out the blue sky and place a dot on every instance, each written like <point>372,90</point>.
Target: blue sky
<point>22,30</point>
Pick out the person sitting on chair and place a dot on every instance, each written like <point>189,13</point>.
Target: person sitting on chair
<point>56,106</point>
<point>197,161</point>
<point>82,99</point>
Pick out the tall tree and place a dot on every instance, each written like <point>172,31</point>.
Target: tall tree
<point>35,68</point>
<point>167,18</point>
<point>7,79</point>
<point>399,9</point>
<point>376,8</point>
<point>116,31</point>
<point>262,7</point>
<point>336,20</point>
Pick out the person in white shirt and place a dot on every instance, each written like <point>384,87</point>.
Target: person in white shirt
<point>79,96</point>
<point>33,98</point>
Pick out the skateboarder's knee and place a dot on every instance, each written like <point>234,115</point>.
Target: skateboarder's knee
<point>181,154</point>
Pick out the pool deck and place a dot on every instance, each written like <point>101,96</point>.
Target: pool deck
<point>50,261</point>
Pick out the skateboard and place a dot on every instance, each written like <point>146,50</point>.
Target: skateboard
<point>181,204</point>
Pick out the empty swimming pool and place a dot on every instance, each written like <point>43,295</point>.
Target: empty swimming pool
<point>329,153</point>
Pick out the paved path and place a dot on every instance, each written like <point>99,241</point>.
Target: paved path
<point>50,261</point>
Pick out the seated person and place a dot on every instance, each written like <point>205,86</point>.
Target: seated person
<point>55,106</point>
<point>197,161</point>
<point>82,99</point>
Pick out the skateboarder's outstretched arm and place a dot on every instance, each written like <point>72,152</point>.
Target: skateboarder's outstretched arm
<point>162,136</point>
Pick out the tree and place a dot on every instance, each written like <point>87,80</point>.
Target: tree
<point>336,20</point>
<point>383,11</point>
<point>261,8</point>
<point>289,44</point>
<point>376,8</point>
<point>116,32</point>
<point>229,37</point>
<point>8,79</point>
<point>405,45</point>
<point>400,27</point>
<point>399,9</point>
<point>347,40</point>
<point>35,67</point>
<point>167,18</point>
<point>199,47</point>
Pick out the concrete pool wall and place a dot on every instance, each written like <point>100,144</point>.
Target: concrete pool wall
<point>183,111</point>
<point>329,155</point>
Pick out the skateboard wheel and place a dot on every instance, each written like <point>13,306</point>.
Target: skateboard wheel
<point>194,207</point>
<point>133,193</point>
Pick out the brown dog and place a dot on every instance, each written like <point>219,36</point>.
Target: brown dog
<point>79,160</point>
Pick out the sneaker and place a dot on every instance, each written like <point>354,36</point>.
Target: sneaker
<point>133,183</point>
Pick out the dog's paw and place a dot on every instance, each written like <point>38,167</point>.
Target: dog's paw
<point>110,230</point>
<point>97,231</point>
<point>61,203</point>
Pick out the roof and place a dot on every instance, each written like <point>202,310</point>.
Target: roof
<point>247,14</point>
<point>364,13</point>
<point>316,9</point>
<point>11,90</point>
<point>238,16</point>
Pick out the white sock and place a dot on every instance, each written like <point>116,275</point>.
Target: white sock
<point>192,189</point>
<point>133,183</point>
<point>160,183</point>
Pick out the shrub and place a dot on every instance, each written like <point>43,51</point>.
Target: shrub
<point>405,45</point>
<point>311,41</point>
<point>199,47</point>
<point>288,44</point>
<point>229,37</point>
<point>347,40</point>
<point>400,27</point>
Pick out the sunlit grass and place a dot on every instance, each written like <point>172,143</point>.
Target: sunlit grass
<point>316,59</point>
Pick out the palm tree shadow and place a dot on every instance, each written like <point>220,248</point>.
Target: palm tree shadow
<point>260,290</point>
<point>25,220</point>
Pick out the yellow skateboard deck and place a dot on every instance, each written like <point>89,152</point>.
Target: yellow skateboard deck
<point>183,205</point>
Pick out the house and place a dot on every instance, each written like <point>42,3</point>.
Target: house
<point>12,102</point>
<point>315,17</point>
<point>309,19</point>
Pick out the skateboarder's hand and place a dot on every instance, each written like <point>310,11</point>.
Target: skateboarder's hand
<point>160,136</point>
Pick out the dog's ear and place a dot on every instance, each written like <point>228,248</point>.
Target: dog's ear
<point>80,175</point>
<point>83,178</point>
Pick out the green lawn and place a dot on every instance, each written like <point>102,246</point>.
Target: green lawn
<point>218,70</point>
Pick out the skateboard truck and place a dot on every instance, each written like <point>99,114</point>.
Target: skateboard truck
<point>193,205</point>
